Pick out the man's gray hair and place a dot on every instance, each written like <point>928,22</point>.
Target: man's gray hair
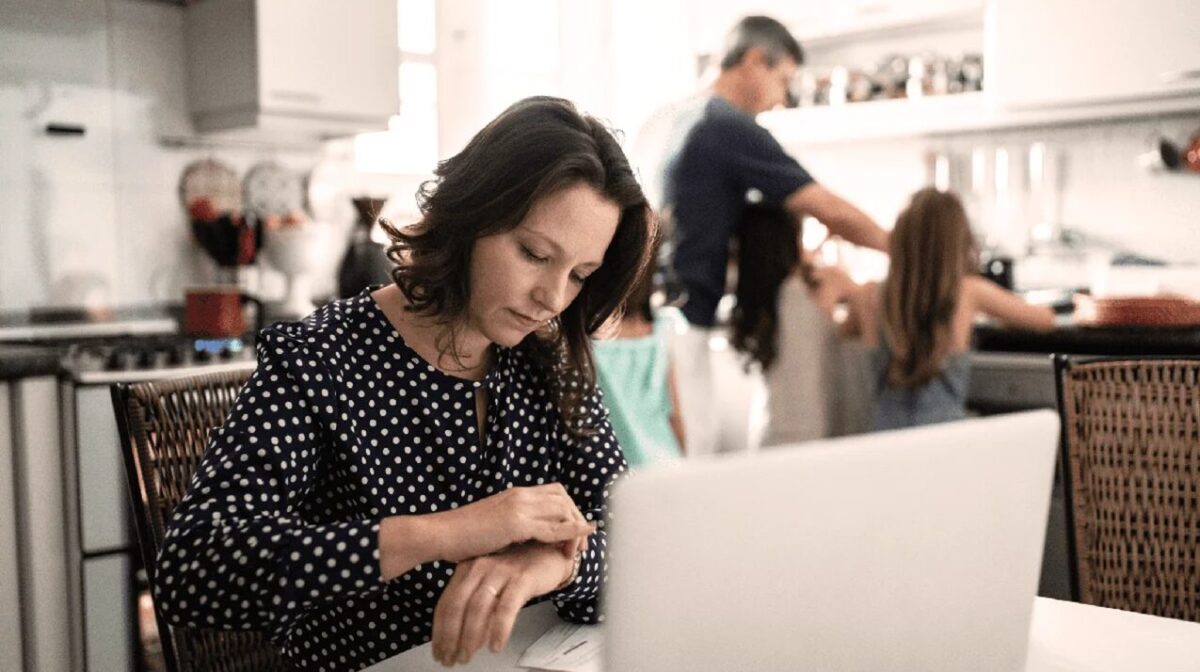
<point>765,33</point>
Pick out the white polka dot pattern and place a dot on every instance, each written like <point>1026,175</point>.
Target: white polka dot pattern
<point>340,426</point>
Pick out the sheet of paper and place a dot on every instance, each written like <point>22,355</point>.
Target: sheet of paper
<point>565,648</point>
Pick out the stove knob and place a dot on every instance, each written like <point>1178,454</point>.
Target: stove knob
<point>121,360</point>
<point>146,359</point>
<point>202,356</point>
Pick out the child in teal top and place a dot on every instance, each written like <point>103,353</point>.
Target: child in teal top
<point>634,372</point>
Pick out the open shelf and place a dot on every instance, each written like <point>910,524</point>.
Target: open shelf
<point>945,115</point>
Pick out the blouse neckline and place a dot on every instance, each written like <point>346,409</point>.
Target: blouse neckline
<point>390,329</point>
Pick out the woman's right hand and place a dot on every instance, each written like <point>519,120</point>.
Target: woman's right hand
<point>544,513</point>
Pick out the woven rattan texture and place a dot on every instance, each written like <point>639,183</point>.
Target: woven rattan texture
<point>169,423</point>
<point>1133,446</point>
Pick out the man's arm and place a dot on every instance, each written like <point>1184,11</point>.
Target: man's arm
<point>835,212</point>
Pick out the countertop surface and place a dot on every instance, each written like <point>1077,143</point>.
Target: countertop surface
<point>1068,338</point>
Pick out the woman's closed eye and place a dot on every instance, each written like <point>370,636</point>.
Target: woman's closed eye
<point>533,256</point>
<point>536,258</point>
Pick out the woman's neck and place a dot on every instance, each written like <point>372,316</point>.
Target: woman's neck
<point>468,356</point>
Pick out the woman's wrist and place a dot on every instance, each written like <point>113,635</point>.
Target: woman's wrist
<point>406,542</point>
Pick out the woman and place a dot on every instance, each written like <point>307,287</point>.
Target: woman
<point>423,459</point>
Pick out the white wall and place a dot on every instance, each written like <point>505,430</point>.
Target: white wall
<point>96,219</point>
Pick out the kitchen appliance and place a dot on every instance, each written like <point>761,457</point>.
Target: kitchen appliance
<point>272,189</point>
<point>1160,155</point>
<point>365,262</point>
<point>76,562</point>
<point>296,250</point>
<point>999,269</point>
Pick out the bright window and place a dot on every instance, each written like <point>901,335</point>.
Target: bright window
<point>409,146</point>
<point>522,51</point>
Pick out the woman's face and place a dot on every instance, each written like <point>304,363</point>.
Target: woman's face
<point>522,278</point>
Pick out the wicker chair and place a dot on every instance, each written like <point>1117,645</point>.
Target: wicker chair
<point>164,429</point>
<point>1131,457</point>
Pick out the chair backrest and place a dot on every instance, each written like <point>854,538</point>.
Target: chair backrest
<point>1131,474</point>
<point>164,430</point>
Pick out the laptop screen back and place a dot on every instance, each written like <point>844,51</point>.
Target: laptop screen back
<point>911,550</point>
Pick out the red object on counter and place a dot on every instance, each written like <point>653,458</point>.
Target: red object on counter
<point>246,244</point>
<point>202,209</point>
<point>214,312</point>
<point>1137,311</point>
<point>1191,155</point>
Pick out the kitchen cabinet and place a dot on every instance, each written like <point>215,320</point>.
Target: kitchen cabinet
<point>294,67</point>
<point>1043,53</point>
<point>10,616</point>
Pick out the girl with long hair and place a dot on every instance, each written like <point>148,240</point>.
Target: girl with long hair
<point>917,323</point>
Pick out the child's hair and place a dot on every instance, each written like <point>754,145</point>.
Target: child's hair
<point>768,251</point>
<point>639,300</point>
<point>931,250</point>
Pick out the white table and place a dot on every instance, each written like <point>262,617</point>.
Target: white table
<point>1064,637</point>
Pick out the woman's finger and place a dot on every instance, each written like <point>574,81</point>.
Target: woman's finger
<point>554,532</point>
<point>504,614</point>
<point>478,615</point>
<point>448,614</point>
<point>582,546</point>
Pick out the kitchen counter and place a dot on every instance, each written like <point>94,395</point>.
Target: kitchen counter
<point>1072,339</point>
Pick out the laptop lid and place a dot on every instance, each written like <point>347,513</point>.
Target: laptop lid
<point>916,549</point>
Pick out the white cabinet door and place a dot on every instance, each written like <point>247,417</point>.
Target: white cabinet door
<point>331,58</point>
<point>10,615</point>
<point>103,496</point>
<point>108,614</point>
<point>1044,53</point>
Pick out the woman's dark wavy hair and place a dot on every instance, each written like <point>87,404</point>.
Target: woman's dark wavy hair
<point>535,148</point>
<point>768,251</point>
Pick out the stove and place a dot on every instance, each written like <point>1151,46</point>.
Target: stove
<point>121,360</point>
<point>76,563</point>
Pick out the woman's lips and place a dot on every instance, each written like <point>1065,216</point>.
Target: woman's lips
<point>525,320</point>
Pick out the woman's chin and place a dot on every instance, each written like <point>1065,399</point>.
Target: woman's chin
<point>507,338</point>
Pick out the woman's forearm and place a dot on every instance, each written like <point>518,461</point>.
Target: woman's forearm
<point>405,542</point>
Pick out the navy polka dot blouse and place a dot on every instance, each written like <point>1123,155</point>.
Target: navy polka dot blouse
<point>341,425</point>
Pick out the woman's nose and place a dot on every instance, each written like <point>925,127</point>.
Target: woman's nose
<point>552,294</point>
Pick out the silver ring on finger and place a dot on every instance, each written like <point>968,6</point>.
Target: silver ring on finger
<point>492,589</point>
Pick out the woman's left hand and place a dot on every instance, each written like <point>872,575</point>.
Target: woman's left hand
<point>485,594</point>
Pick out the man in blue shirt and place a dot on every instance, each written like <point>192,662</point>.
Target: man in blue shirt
<point>725,161</point>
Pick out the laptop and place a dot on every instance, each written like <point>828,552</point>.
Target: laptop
<point>916,549</point>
